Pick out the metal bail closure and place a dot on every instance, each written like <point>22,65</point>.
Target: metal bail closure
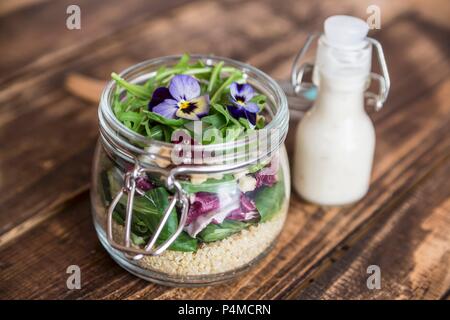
<point>375,99</point>
<point>130,189</point>
<point>298,71</point>
<point>384,82</point>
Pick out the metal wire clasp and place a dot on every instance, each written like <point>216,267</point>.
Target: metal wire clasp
<point>375,99</point>
<point>130,189</point>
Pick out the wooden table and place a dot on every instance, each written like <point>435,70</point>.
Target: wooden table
<point>47,137</point>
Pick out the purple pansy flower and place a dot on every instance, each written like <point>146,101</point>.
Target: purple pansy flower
<point>181,100</point>
<point>242,107</point>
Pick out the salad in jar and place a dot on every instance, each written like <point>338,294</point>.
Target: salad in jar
<point>188,114</point>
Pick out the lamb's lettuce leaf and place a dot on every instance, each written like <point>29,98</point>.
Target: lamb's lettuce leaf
<point>269,200</point>
<point>215,232</point>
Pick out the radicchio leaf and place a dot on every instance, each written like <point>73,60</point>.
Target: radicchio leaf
<point>204,202</point>
<point>267,176</point>
<point>209,208</point>
<point>246,211</point>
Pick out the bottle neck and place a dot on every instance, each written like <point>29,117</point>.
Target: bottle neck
<point>341,96</point>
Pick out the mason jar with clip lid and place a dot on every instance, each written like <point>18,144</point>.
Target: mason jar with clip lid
<point>145,191</point>
<point>335,140</point>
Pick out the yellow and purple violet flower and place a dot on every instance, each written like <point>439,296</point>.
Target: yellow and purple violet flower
<point>241,104</point>
<point>181,100</point>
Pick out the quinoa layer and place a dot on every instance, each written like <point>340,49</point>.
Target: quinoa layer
<point>221,256</point>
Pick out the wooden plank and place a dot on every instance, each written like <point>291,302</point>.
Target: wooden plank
<point>409,241</point>
<point>47,22</point>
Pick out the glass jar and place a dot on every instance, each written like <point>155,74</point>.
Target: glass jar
<point>170,217</point>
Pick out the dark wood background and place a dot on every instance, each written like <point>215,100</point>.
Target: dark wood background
<point>47,136</point>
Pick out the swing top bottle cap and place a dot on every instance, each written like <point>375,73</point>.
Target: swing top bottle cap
<point>346,31</point>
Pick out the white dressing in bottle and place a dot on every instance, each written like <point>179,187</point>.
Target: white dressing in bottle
<point>335,141</point>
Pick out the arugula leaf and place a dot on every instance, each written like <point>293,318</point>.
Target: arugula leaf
<point>156,132</point>
<point>233,77</point>
<point>184,61</point>
<point>216,120</point>
<point>228,117</point>
<point>215,232</point>
<point>135,89</point>
<point>130,100</point>
<point>163,120</point>
<point>214,75</point>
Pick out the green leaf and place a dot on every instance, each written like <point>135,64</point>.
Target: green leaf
<point>233,132</point>
<point>184,243</point>
<point>138,240</point>
<point>157,133</point>
<point>214,75</point>
<point>217,120</point>
<point>228,182</point>
<point>244,122</point>
<point>260,122</point>
<point>139,91</point>
<point>233,77</point>
<point>184,61</point>
<point>221,109</point>
<point>147,214</point>
<point>260,100</point>
<point>215,232</point>
<point>269,200</point>
<point>130,116</point>
<point>163,120</point>
<point>256,167</point>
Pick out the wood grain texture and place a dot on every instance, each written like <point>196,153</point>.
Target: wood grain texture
<point>47,138</point>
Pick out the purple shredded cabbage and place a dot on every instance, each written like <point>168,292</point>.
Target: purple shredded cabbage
<point>265,180</point>
<point>268,175</point>
<point>143,183</point>
<point>246,211</point>
<point>204,202</point>
<point>237,214</point>
<point>247,204</point>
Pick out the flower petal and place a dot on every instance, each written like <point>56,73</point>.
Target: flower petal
<point>184,87</point>
<point>243,90</point>
<point>159,95</point>
<point>251,117</point>
<point>202,104</point>
<point>236,112</point>
<point>167,108</point>
<point>194,108</point>
<point>251,107</point>
<point>189,116</point>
